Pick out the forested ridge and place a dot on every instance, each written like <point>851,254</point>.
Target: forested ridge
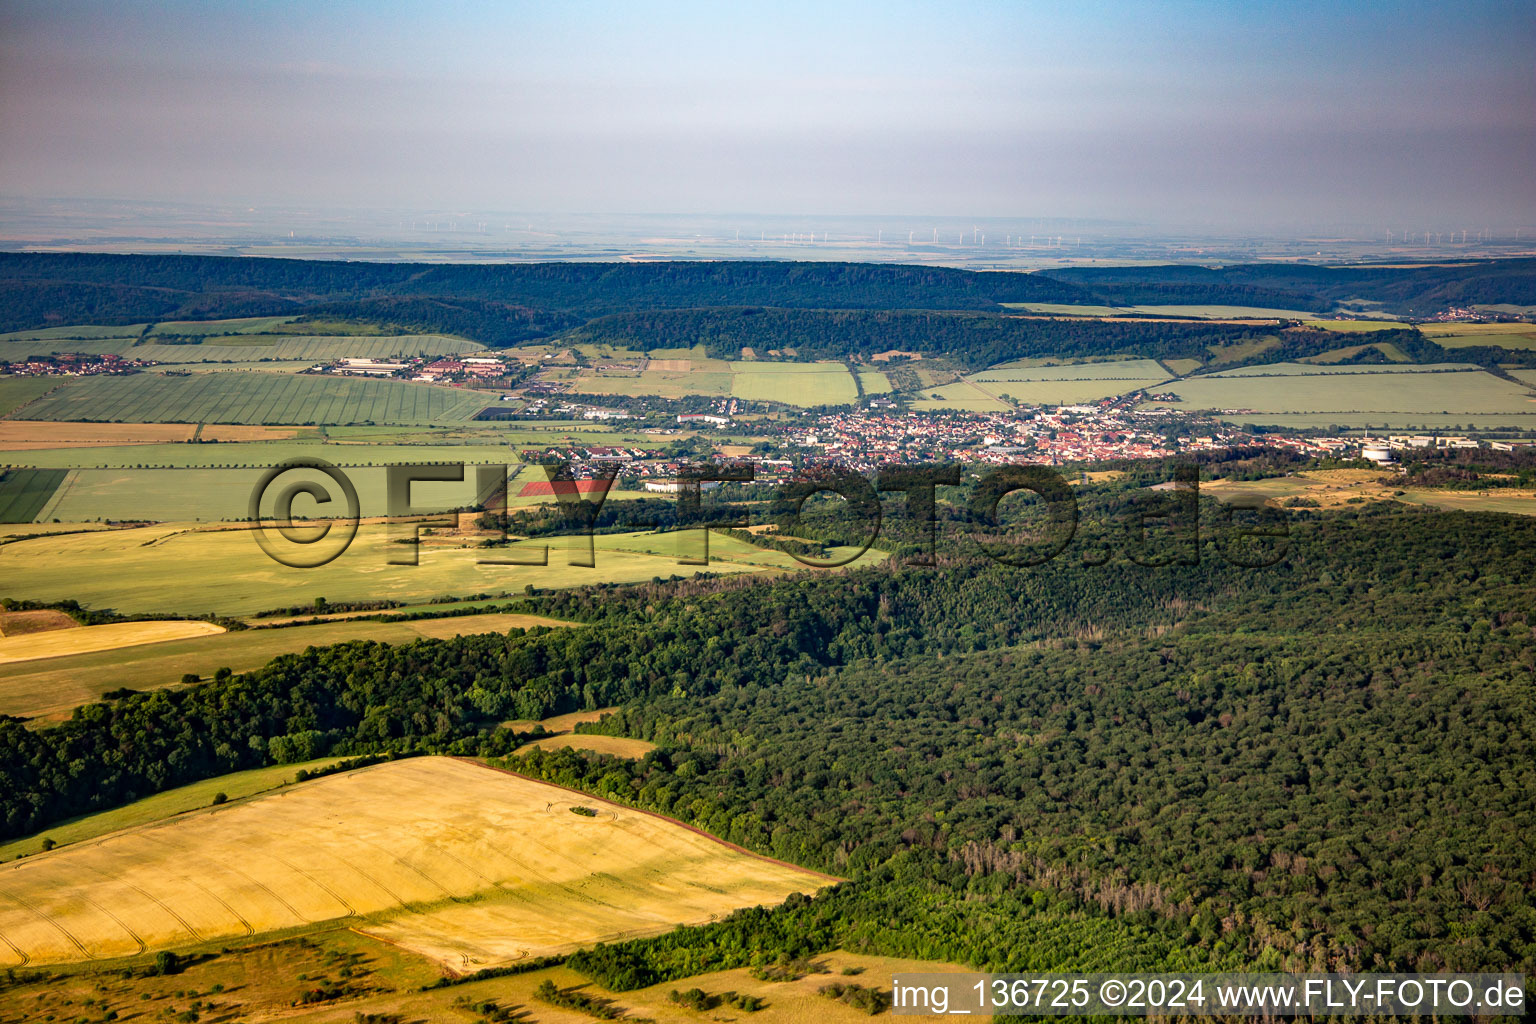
<point>1411,291</point>
<point>497,304</point>
<point>970,340</point>
<point>507,304</point>
<point>1324,763</point>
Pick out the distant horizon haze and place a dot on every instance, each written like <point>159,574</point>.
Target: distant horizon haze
<point>1237,119</point>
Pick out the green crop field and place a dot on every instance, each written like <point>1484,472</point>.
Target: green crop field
<point>1355,326</point>
<point>1069,383</point>
<point>1119,369</point>
<point>76,332</point>
<point>147,569</point>
<point>303,348</point>
<point>1311,370</point>
<point>1224,312</point>
<point>1239,350</point>
<point>1338,355</point>
<point>16,392</point>
<point>1065,309</point>
<point>253,398</point>
<point>683,372</point>
<point>241,325</point>
<point>801,384</point>
<point>248,454</point>
<point>51,687</point>
<point>1069,392</point>
<point>232,366</point>
<point>1513,336</point>
<point>961,396</point>
<point>1176,312</point>
<point>661,383</point>
<point>1290,394</point>
<point>25,492</point>
<point>874,382</point>
<point>21,351</point>
<point>209,495</point>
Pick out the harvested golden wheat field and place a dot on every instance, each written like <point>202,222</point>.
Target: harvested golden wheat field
<point>465,864</point>
<point>56,643</point>
<point>618,746</point>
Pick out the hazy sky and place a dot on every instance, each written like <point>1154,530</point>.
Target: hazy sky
<point>1266,113</point>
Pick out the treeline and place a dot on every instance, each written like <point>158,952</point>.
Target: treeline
<point>1410,291</point>
<point>43,290</point>
<point>972,340</point>
<point>509,304</point>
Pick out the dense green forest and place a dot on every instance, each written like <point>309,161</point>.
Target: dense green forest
<point>1410,291</point>
<point>1327,762</point>
<point>475,300</point>
<point>971,340</point>
<point>510,303</point>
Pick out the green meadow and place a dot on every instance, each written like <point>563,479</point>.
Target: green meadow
<point>253,398</point>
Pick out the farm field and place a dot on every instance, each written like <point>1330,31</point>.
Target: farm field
<point>461,863</point>
<point>245,454</point>
<point>21,351</point>
<point>961,395</point>
<point>1331,488</point>
<point>1338,355</point>
<point>266,981</point>
<point>24,493</point>
<point>1240,350</point>
<point>112,636</point>
<point>162,805</point>
<point>616,746</point>
<point>801,384</point>
<point>212,495</point>
<point>1514,336</point>
<point>1183,312</point>
<point>206,328</point>
<point>1225,312</point>
<point>1065,308</point>
<point>1069,392</point>
<point>679,373</point>
<point>29,435</point>
<point>247,366</point>
<point>874,382</point>
<point>1359,395</point>
<point>145,569</point>
<point>1072,382</point>
<point>1118,369</point>
<point>1309,370</point>
<point>16,392</point>
<point>76,332</point>
<point>35,620</point>
<point>51,689</point>
<point>1355,326</point>
<point>661,382</point>
<point>253,398</point>
<point>306,348</point>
